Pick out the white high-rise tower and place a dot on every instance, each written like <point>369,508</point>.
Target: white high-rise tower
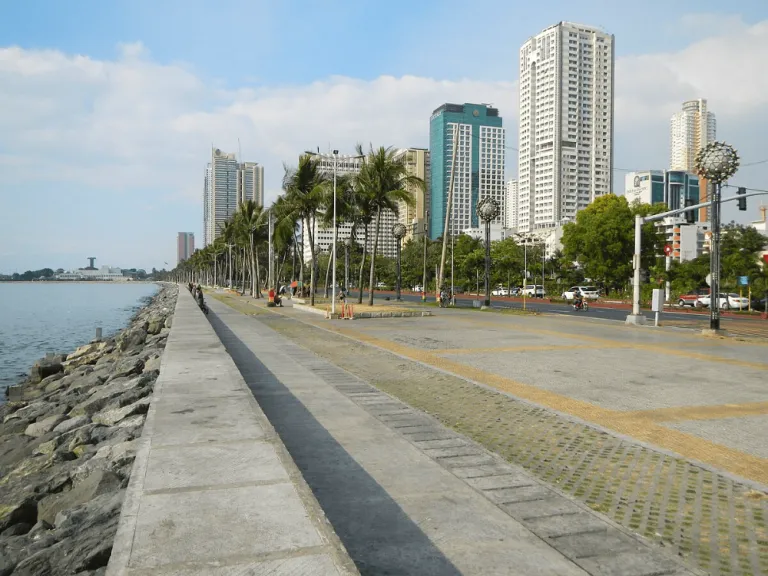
<point>510,206</point>
<point>690,131</point>
<point>566,123</point>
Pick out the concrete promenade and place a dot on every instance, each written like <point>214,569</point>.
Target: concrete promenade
<point>407,495</point>
<point>213,492</point>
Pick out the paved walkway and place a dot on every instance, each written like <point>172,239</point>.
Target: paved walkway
<point>407,495</point>
<point>213,491</point>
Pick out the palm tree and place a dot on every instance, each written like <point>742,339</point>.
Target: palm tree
<point>384,182</point>
<point>304,188</point>
<point>252,218</point>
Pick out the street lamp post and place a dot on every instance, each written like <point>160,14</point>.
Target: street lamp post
<point>424,271</point>
<point>333,273</point>
<point>716,162</point>
<point>488,209</point>
<point>347,247</point>
<point>398,231</point>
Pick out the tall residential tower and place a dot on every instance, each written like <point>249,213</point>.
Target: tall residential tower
<point>417,164</point>
<point>566,123</point>
<point>185,246</point>
<point>479,164</point>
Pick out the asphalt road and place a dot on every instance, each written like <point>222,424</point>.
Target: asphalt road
<point>618,314</point>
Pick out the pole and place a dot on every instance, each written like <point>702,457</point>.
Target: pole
<point>449,209</point>
<point>525,270</point>
<point>230,266</point>
<point>667,284</point>
<point>270,269</point>
<point>397,288</point>
<point>346,265</point>
<point>714,260</point>
<point>424,272</point>
<point>636,317</point>
<point>453,298</point>
<point>488,263</point>
<point>333,278</point>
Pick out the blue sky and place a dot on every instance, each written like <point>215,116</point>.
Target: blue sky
<point>111,107</point>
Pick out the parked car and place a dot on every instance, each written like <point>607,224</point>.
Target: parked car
<point>417,288</point>
<point>534,291</point>
<point>692,299</point>
<point>760,304</point>
<point>726,301</point>
<point>500,291</point>
<point>587,292</point>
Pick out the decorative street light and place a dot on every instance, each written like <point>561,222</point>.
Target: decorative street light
<point>716,163</point>
<point>347,247</point>
<point>488,209</point>
<point>398,231</point>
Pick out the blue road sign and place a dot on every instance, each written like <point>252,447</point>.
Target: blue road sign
<point>743,280</point>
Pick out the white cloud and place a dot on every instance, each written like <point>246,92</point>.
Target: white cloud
<point>135,124</point>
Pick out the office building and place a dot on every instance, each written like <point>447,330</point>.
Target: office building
<point>227,185</point>
<point>510,206</point>
<point>688,241</point>
<point>669,187</point>
<point>690,131</point>
<point>185,246</point>
<point>417,164</point>
<point>566,123</point>
<point>479,165</point>
<point>250,183</point>
<point>323,236</point>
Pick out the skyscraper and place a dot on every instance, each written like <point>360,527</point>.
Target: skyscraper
<point>227,185</point>
<point>417,164</point>
<point>510,205</point>
<point>479,164</point>
<point>566,123</point>
<point>691,130</point>
<point>185,246</point>
<point>250,183</point>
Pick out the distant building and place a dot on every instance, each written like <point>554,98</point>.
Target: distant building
<point>510,206</point>
<point>479,166</point>
<point>102,274</point>
<point>497,232</point>
<point>566,123</point>
<point>417,164</point>
<point>185,246</point>
<point>250,185</point>
<point>690,131</point>
<point>688,241</point>
<point>668,187</point>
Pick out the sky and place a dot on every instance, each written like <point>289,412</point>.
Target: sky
<point>108,110</point>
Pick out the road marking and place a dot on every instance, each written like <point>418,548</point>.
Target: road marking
<point>682,413</point>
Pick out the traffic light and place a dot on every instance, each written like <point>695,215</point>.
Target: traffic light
<point>690,215</point>
<point>742,201</point>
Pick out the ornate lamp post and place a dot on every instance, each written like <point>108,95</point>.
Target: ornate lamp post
<point>488,209</point>
<point>716,162</point>
<point>398,231</point>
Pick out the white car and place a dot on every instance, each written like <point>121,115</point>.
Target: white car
<point>587,292</point>
<point>500,291</point>
<point>726,301</point>
<point>533,290</point>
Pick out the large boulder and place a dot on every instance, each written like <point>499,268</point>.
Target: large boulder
<point>169,321</point>
<point>89,354</point>
<point>132,338</point>
<point>153,364</point>
<point>113,416</point>
<point>96,483</point>
<point>127,366</point>
<point>104,395</point>
<point>155,324</point>
<point>44,426</point>
<point>71,424</point>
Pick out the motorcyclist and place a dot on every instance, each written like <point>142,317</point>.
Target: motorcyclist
<point>444,295</point>
<point>578,300</point>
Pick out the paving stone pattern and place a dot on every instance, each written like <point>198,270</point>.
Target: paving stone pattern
<point>717,524</point>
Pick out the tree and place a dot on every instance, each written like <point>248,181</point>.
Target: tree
<point>384,182</point>
<point>304,188</point>
<point>253,221</point>
<point>602,240</point>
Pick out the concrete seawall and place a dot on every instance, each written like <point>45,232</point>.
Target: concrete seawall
<point>213,490</point>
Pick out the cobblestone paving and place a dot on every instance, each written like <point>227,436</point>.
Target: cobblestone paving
<point>715,523</point>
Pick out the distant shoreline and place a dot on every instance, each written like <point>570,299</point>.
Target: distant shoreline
<point>79,281</point>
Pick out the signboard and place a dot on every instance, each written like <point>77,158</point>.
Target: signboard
<point>743,280</point>
<point>667,250</point>
<point>657,302</point>
<point>709,279</point>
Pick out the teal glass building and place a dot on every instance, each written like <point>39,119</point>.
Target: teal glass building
<point>480,160</point>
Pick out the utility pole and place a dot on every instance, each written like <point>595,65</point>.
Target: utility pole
<point>449,209</point>
<point>270,250</point>
<point>335,231</point>
<point>424,272</point>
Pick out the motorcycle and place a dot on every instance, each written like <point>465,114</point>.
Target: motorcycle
<point>443,299</point>
<point>581,305</point>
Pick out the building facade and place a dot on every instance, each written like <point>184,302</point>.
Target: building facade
<point>250,183</point>
<point>480,155</point>
<point>103,274</point>
<point>510,206</point>
<point>227,185</point>
<point>417,164</point>
<point>566,123</point>
<point>690,130</point>
<point>688,241</point>
<point>669,187</point>
<point>185,246</point>
<point>323,236</point>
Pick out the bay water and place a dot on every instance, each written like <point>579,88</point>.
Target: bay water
<point>41,317</point>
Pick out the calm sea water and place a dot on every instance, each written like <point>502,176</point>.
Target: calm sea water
<point>37,318</point>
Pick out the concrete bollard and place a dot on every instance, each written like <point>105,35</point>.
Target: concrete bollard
<point>98,334</point>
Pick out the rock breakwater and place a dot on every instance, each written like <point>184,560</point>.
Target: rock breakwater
<point>67,443</point>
